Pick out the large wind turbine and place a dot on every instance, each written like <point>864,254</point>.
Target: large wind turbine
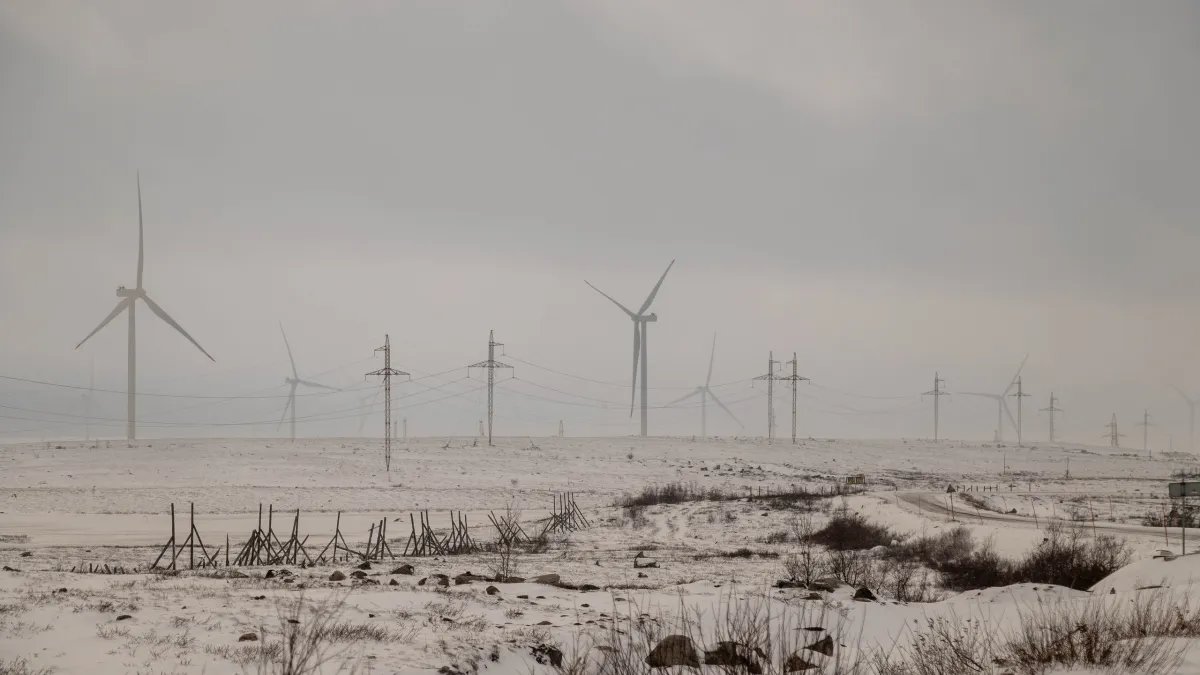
<point>640,319</point>
<point>129,298</point>
<point>704,392</point>
<point>1002,402</point>
<point>295,381</point>
<point>1192,403</point>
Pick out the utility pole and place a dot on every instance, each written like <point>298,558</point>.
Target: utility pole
<point>937,393</point>
<point>1052,409</point>
<point>1114,437</point>
<point>491,365</point>
<point>480,431</point>
<point>770,377</point>
<point>387,373</point>
<point>405,427</point>
<point>561,432</point>
<point>1145,424</point>
<point>87,423</point>
<point>1019,395</point>
<point>794,378</point>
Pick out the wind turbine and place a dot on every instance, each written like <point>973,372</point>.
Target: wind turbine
<point>704,392</point>
<point>295,382</point>
<point>1002,402</point>
<point>129,298</point>
<point>1192,403</point>
<point>640,319</point>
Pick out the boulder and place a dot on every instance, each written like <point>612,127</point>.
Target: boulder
<point>588,588</point>
<point>269,575</point>
<point>550,579</point>
<point>393,582</point>
<point>864,594</point>
<point>124,617</point>
<point>492,590</point>
<point>248,637</point>
<point>467,578</point>
<point>822,646</point>
<point>366,565</point>
<point>441,579</point>
<point>674,650</point>
<point>546,654</point>
<point>358,574</point>
<point>337,576</point>
<point>406,570</point>
<point>733,655</point>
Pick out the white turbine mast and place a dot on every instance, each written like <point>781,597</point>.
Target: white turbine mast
<point>1192,404</point>
<point>704,392</point>
<point>640,320</point>
<point>1001,399</point>
<point>128,301</point>
<point>294,381</point>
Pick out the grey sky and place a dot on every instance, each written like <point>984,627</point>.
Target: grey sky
<point>885,188</point>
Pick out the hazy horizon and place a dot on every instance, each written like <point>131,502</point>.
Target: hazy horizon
<point>887,191</point>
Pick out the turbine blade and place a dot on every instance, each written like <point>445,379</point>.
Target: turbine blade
<point>727,410</point>
<point>141,248</point>
<point>1014,379</point>
<point>112,315</point>
<point>637,343</point>
<point>318,385</point>
<point>1185,396</point>
<point>685,397</point>
<point>1008,413</point>
<point>171,322</point>
<point>623,308</point>
<point>711,357</point>
<point>650,298</point>
<point>289,351</point>
<point>286,406</point>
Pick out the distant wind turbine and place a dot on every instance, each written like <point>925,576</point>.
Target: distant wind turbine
<point>295,382</point>
<point>704,392</point>
<point>1192,403</point>
<point>1002,402</point>
<point>129,298</point>
<point>640,319</point>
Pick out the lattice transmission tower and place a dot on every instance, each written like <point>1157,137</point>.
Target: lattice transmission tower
<point>1053,409</point>
<point>937,393</point>
<point>770,377</point>
<point>387,373</point>
<point>795,378</point>
<point>490,365</point>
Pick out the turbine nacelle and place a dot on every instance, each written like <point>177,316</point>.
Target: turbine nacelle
<point>123,292</point>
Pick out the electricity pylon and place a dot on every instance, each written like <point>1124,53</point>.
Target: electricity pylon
<point>387,373</point>
<point>1019,395</point>
<point>1052,409</point>
<point>937,393</point>
<point>491,365</point>
<point>794,378</point>
<point>770,377</point>
<point>1145,424</point>
<point>1114,436</point>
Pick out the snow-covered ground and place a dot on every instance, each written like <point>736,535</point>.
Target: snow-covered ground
<point>67,505</point>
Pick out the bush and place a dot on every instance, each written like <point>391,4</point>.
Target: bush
<point>1067,557</point>
<point>671,493</point>
<point>848,531</point>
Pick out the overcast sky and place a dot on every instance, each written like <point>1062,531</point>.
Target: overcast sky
<point>888,189</point>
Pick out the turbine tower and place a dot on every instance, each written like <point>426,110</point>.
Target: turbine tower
<point>128,301</point>
<point>294,381</point>
<point>704,392</point>
<point>640,319</point>
<point>1192,404</point>
<point>1001,399</point>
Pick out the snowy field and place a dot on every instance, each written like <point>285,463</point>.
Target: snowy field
<point>69,505</point>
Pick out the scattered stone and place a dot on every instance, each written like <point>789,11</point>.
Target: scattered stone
<point>370,616</point>
<point>269,575</point>
<point>236,574</point>
<point>366,565</point>
<point>544,623</point>
<point>828,580</point>
<point>814,629</point>
<point>645,563</point>
<point>289,580</point>
<point>642,575</point>
<point>248,637</point>
<point>124,617</point>
<point>788,583</point>
<point>293,621</point>
<point>337,576</point>
<point>421,582</point>
<point>259,597</point>
<point>358,574</point>
<point>864,594</point>
<point>588,588</point>
<point>522,597</point>
<point>541,597</point>
<point>393,582</point>
<point>813,596</point>
<point>585,605</point>
<point>796,663</point>
<point>467,578</point>
<point>735,655</point>
<point>492,590</point>
<point>822,646</point>
<point>544,653</point>
<point>284,573</point>
<point>369,582</point>
<point>510,580</point>
<point>27,554</point>
<point>550,579</point>
<point>674,650</point>
<point>61,590</point>
<point>406,570</point>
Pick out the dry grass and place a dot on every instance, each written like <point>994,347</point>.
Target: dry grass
<point>21,666</point>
